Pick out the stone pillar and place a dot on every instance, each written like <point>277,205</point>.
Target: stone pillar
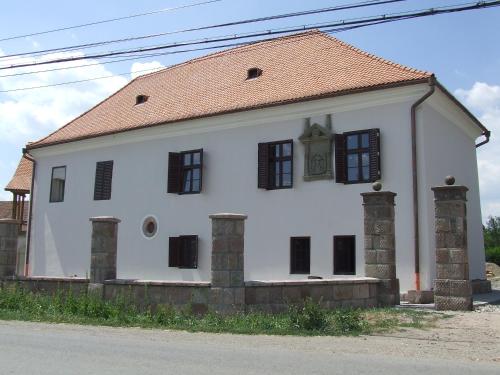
<point>380,253</point>
<point>103,248</point>
<point>452,287</point>
<point>9,231</point>
<point>227,293</point>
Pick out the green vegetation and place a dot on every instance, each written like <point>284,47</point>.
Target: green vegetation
<point>492,239</point>
<point>309,319</point>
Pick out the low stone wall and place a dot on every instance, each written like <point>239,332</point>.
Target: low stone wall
<point>264,296</point>
<point>480,286</point>
<point>275,296</point>
<point>48,285</point>
<point>152,294</point>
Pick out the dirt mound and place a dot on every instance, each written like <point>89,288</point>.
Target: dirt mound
<point>492,270</point>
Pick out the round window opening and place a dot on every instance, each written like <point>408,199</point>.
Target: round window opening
<point>149,227</point>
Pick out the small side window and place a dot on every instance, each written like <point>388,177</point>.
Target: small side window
<point>57,184</point>
<point>103,180</point>
<point>300,255</point>
<point>185,172</point>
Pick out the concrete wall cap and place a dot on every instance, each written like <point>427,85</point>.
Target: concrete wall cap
<point>110,219</point>
<point>450,188</point>
<point>228,216</point>
<point>378,193</point>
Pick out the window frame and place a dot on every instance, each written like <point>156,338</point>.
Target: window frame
<point>353,238</point>
<point>293,266</point>
<point>359,152</point>
<point>52,184</point>
<point>184,169</point>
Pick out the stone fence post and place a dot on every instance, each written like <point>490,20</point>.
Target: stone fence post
<point>103,249</point>
<point>452,287</point>
<point>227,293</point>
<point>9,231</point>
<point>380,253</point>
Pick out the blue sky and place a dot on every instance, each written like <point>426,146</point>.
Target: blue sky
<point>461,49</point>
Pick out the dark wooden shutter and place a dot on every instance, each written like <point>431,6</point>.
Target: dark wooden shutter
<point>103,180</point>
<point>263,166</point>
<point>300,255</point>
<point>344,255</point>
<point>189,251</point>
<point>201,169</point>
<point>174,249</point>
<point>340,159</point>
<point>375,171</point>
<point>174,172</point>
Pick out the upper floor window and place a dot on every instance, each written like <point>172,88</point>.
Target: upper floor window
<point>357,156</point>
<point>185,170</point>
<point>57,184</point>
<point>275,165</point>
<point>103,180</point>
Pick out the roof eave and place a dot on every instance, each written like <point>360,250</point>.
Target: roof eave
<point>33,146</point>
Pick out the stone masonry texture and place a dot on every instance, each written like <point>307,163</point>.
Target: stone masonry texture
<point>380,250</point>
<point>227,293</point>
<point>103,249</point>
<point>452,287</point>
<point>9,231</point>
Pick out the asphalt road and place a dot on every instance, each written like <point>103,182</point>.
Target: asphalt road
<point>33,348</point>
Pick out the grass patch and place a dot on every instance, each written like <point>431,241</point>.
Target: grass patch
<point>307,319</point>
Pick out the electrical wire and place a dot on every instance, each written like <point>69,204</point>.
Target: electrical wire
<point>345,27</point>
<point>227,24</point>
<point>343,23</point>
<point>109,20</point>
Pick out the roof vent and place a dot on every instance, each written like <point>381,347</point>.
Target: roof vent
<point>253,73</point>
<point>139,99</point>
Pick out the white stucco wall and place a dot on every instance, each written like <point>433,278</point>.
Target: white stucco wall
<point>320,209</point>
<point>448,149</point>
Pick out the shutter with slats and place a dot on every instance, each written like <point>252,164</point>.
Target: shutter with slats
<point>174,172</point>
<point>103,180</point>
<point>174,249</point>
<point>340,159</point>
<point>375,170</point>
<point>189,252</point>
<point>263,166</point>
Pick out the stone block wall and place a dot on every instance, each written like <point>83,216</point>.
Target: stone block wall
<point>9,232</point>
<point>452,287</point>
<point>380,251</point>
<point>275,297</point>
<point>103,249</point>
<point>49,285</point>
<point>227,293</point>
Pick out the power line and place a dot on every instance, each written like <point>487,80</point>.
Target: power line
<point>361,4</point>
<point>382,18</point>
<point>109,20</point>
<point>336,29</point>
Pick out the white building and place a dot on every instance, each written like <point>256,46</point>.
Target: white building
<point>243,111</point>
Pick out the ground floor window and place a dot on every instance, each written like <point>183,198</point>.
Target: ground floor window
<point>344,255</point>
<point>300,255</point>
<point>183,252</point>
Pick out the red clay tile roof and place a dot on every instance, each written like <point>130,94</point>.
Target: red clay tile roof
<point>21,181</point>
<point>295,68</point>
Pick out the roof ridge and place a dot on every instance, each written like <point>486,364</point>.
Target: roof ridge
<point>375,57</point>
<point>234,50</point>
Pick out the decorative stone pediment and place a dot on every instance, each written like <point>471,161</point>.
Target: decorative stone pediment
<point>317,140</point>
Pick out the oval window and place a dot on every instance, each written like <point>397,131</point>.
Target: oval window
<point>149,226</point>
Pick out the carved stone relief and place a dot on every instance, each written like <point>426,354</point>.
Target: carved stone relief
<point>317,140</point>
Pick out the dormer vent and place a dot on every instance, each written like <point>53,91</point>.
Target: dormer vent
<point>139,99</point>
<point>253,73</point>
